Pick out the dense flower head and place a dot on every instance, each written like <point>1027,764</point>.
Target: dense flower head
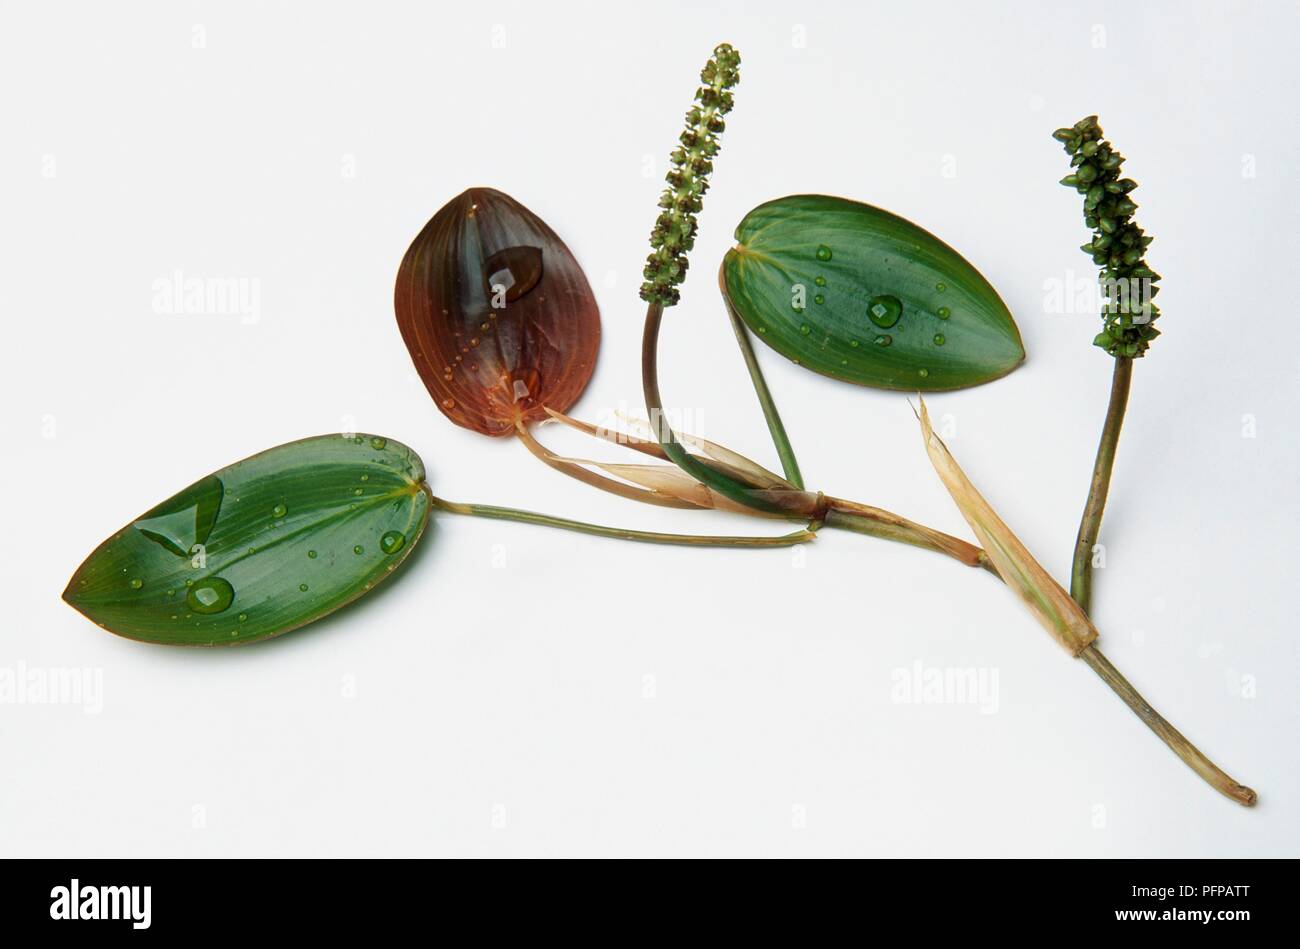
<point>1118,245</point>
<point>692,161</point>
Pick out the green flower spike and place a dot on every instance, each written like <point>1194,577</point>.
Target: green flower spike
<point>674,231</point>
<point>1118,245</point>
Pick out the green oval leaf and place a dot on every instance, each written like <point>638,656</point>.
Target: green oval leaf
<point>261,547</point>
<point>857,293</point>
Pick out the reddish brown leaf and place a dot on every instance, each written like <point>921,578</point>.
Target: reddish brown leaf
<point>496,313</point>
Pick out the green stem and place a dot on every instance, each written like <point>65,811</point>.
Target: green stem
<point>727,486</point>
<point>1180,746</point>
<point>876,522</point>
<point>774,425</point>
<point>619,533</point>
<point>1090,524</point>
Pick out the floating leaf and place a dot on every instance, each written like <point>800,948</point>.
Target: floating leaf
<point>261,547</point>
<point>1046,599</point>
<point>856,293</point>
<point>496,313</point>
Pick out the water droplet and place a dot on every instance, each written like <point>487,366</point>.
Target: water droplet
<point>923,372</point>
<point>853,343</point>
<point>819,299</point>
<point>939,339</point>
<point>279,511</point>
<point>136,583</point>
<point>171,592</point>
<point>884,340</point>
<point>805,329</point>
<point>392,542</point>
<point>187,519</point>
<point>448,403</point>
<point>943,312</point>
<point>884,310</point>
<point>211,595</point>
<point>941,287</point>
<point>820,281</point>
<point>823,252</point>
<point>311,555</point>
<point>762,330</point>
<point>243,617</point>
<point>356,491</point>
<point>358,550</point>
<point>379,444</point>
<point>302,587</point>
<point>365,477</point>
<point>516,270</point>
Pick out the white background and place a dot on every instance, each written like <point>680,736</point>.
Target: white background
<point>592,697</point>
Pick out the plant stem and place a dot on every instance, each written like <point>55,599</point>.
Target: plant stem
<point>876,522</point>
<point>1090,525</point>
<point>774,425</point>
<point>1180,746</point>
<point>580,473</point>
<point>619,533</point>
<point>723,484</point>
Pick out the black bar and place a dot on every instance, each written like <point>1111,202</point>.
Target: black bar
<point>334,898</point>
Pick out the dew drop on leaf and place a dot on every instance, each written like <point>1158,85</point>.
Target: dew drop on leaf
<point>211,595</point>
<point>392,542</point>
<point>885,310</point>
<point>515,270</point>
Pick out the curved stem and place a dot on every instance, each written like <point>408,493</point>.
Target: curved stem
<point>877,522</point>
<point>725,485</point>
<point>1180,746</point>
<point>784,450</point>
<point>619,533</point>
<point>579,473</point>
<point>1090,525</point>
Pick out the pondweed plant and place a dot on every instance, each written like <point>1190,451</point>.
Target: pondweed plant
<point>1128,285</point>
<point>504,330</point>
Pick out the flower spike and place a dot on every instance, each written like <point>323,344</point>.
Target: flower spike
<point>692,161</point>
<point>1118,245</point>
